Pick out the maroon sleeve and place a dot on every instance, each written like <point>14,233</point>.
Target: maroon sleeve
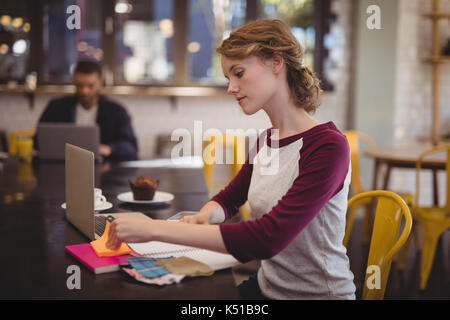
<point>234,195</point>
<point>322,175</point>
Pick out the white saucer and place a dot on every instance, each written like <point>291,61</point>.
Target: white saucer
<point>160,196</point>
<point>103,206</point>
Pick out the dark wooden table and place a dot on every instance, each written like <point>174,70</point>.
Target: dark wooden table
<point>34,231</point>
<point>404,157</point>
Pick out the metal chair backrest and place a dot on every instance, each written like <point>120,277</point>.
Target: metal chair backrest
<point>434,150</point>
<point>353,138</point>
<point>384,244</point>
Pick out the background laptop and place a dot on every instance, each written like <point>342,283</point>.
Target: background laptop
<point>52,137</point>
<point>79,173</point>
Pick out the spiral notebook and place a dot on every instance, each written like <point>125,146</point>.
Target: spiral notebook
<point>156,249</point>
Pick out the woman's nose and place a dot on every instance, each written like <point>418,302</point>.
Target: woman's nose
<point>232,88</point>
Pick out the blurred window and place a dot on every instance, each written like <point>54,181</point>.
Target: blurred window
<point>298,14</point>
<point>146,42</point>
<point>144,38</point>
<point>212,21</point>
<point>15,29</point>
<point>209,23</point>
<point>63,47</point>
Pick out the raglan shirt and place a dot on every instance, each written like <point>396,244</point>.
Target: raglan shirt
<point>297,189</point>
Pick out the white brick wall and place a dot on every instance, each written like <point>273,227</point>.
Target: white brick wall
<point>413,87</point>
<point>413,100</point>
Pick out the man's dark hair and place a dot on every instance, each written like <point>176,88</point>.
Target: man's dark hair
<point>88,67</point>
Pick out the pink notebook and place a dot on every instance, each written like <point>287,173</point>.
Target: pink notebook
<point>85,254</point>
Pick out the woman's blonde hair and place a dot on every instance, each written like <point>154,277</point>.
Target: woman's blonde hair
<point>267,38</point>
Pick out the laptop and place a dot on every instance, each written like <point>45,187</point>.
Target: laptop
<point>52,137</point>
<point>79,173</point>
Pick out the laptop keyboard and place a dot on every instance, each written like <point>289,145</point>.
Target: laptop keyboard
<point>100,223</point>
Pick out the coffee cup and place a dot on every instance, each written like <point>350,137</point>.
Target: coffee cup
<point>99,198</point>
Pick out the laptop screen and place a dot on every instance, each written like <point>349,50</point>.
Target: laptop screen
<point>79,172</point>
<point>52,137</point>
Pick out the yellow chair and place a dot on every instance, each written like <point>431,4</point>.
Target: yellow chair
<point>354,138</point>
<point>217,143</point>
<point>384,243</point>
<point>433,221</point>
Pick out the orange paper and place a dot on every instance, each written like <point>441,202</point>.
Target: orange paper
<point>101,250</point>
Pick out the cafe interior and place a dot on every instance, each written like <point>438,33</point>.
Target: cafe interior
<point>384,68</point>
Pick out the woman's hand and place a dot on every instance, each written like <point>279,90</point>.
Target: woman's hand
<point>128,229</point>
<point>210,213</point>
<point>132,229</point>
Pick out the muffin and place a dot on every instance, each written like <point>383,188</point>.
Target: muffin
<point>144,188</point>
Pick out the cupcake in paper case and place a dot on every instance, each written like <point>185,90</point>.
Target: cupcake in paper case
<point>144,188</point>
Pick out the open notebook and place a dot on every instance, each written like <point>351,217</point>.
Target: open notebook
<point>154,249</point>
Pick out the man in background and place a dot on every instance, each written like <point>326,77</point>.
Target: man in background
<point>88,107</point>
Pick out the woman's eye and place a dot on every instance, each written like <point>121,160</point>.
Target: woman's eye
<point>239,74</point>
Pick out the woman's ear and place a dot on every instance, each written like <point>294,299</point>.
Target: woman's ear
<point>277,63</point>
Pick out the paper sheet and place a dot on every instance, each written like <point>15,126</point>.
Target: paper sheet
<point>215,260</point>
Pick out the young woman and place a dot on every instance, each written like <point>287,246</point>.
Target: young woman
<point>299,208</point>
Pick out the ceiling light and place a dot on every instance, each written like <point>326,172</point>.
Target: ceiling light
<point>17,22</point>
<point>123,6</point>
<point>193,47</point>
<point>19,47</point>
<point>26,27</point>
<point>4,48</point>
<point>166,27</point>
<point>5,20</point>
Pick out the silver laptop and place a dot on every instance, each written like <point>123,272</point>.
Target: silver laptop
<point>52,137</point>
<point>79,173</point>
